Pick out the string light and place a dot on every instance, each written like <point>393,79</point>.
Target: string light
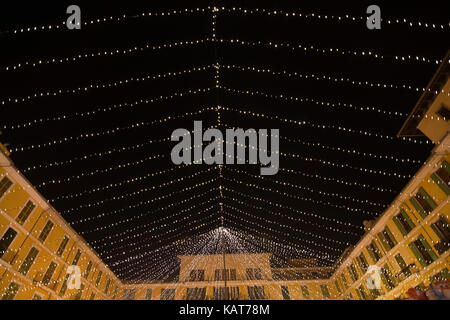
<point>117,83</point>
<point>98,171</point>
<point>322,103</point>
<point>340,18</point>
<point>329,51</point>
<point>115,107</point>
<point>109,53</point>
<point>243,111</point>
<point>333,79</point>
<point>267,227</point>
<point>312,190</point>
<point>140,124</point>
<point>144,190</point>
<point>118,18</point>
<point>289,195</point>
<point>296,210</point>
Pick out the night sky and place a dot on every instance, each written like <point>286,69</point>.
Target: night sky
<point>132,201</point>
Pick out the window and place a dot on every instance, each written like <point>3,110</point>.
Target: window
<point>217,274</point>
<point>115,293</point>
<point>233,293</point>
<point>28,261</point>
<point>79,293</point>
<point>196,294</point>
<point>167,294</point>
<point>25,212</point>
<point>193,275</point>
<point>45,232</point>
<point>423,252</point>
<point>387,278</point>
<point>403,222</point>
<point>256,292</point>
<point>99,277</point>
<point>305,292</point>
<point>108,283</point>
<point>77,257</point>
<point>361,293</point>
<point>64,286</point>
<point>338,287</point>
<point>442,230</point>
<point>362,262</point>
<point>233,274</point>
<point>387,238</point>
<point>49,273</point>
<point>5,183</point>
<point>254,274</point>
<point>148,294</point>
<point>344,280</point>
<point>92,296</point>
<point>352,272</point>
<point>62,246</point>
<point>442,177</point>
<point>325,292</point>
<point>36,297</point>
<point>285,293</point>
<point>402,264</point>
<point>6,240</point>
<point>129,294</point>
<point>11,292</point>
<point>374,251</point>
<point>422,202</point>
<point>225,274</point>
<point>88,269</point>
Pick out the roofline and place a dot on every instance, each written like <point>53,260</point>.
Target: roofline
<point>425,99</point>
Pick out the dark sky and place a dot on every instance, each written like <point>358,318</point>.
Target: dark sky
<point>142,205</point>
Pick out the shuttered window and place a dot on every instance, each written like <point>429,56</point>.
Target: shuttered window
<point>25,212</point>
<point>62,246</point>
<point>6,240</point>
<point>49,273</point>
<point>28,261</point>
<point>5,183</point>
<point>46,231</point>
<point>423,203</point>
<point>403,222</point>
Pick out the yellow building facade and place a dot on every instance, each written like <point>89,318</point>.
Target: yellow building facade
<point>37,246</point>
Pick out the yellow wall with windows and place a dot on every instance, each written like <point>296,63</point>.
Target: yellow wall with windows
<point>31,283</point>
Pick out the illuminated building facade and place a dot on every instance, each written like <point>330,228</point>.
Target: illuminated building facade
<point>409,242</point>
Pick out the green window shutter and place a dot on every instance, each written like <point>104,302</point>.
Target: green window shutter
<point>399,226</point>
<point>386,284</point>
<point>446,166</point>
<point>418,208</point>
<point>428,248</point>
<point>383,242</point>
<point>416,252</point>
<point>388,231</point>
<point>444,187</point>
<point>427,198</point>
<point>407,218</point>
<point>389,274</point>
<point>400,261</point>
<point>436,230</point>
<point>359,294</point>
<point>377,250</point>
<point>371,254</point>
